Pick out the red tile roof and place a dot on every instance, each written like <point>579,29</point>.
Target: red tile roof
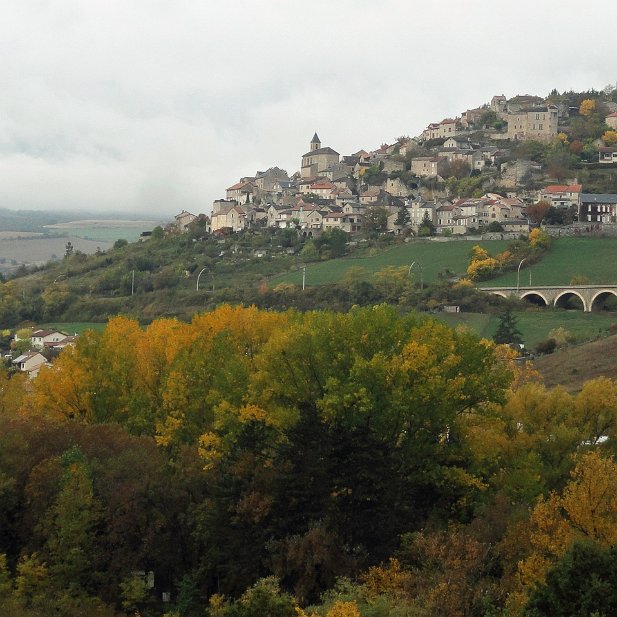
<point>564,188</point>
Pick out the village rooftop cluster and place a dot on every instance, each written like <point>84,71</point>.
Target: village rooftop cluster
<point>408,180</point>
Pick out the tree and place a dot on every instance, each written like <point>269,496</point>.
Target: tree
<point>507,331</point>
<point>68,249</point>
<point>583,582</point>
<point>158,233</point>
<point>536,212</point>
<point>587,107</point>
<point>610,137</point>
<point>402,217</point>
<point>375,219</point>
<point>427,227</point>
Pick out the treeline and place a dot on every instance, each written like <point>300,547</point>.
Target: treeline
<point>320,464</point>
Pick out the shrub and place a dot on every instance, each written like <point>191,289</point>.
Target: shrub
<point>547,346</point>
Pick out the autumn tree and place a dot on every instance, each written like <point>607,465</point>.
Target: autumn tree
<point>610,137</point>
<point>536,212</point>
<point>587,107</point>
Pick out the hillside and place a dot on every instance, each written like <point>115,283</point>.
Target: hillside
<point>576,364</point>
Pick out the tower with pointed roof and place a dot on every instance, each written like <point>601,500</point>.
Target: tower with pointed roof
<point>317,159</point>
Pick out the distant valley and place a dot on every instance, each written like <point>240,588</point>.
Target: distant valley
<point>34,248</point>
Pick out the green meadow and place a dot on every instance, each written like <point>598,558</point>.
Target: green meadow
<point>592,258</point>
<point>535,325</point>
<point>431,256</point>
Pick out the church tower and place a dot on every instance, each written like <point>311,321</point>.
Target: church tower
<point>315,143</point>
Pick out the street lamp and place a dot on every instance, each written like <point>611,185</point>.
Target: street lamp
<point>518,274</point>
<point>415,263</point>
<point>199,275</point>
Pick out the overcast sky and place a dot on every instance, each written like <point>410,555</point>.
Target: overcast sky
<point>152,106</point>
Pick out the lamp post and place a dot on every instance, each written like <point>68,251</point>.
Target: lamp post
<point>415,263</point>
<point>199,276</point>
<point>200,273</point>
<point>518,274</point>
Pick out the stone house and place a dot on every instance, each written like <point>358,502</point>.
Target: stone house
<point>498,103</point>
<point>371,195</point>
<point>183,220</point>
<point>397,188</point>
<point>350,223</point>
<point>538,123</point>
<point>562,196</point>
<point>473,158</point>
<point>444,215</point>
<point>427,166</point>
<point>441,130</point>
<point>457,143</point>
<point>230,216</point>
<point>242,192</point>
<point>323,188</point>
<point>417,209</point>
<point>471,117</point>
<point>267,180</point>
<point>611,121</point>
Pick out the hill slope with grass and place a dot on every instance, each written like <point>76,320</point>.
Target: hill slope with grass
<point>574,365</point>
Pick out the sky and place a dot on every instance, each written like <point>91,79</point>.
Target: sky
<point>154,106</point>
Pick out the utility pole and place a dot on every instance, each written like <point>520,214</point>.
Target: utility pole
<point>303,276</point>
<point>133,283</point>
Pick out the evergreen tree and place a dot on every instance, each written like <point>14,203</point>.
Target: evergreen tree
<point>507,331</point>
<point>402,218</point>
<point>427,227</point>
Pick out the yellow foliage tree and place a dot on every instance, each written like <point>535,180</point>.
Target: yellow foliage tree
<point>610,138</point>
<point>586,510</point>
<point>344,609</point>
<point>480,268</point>
<point>538,238</point>
<point>587,107</point>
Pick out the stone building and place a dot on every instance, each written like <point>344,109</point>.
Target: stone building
<point>317,159</point>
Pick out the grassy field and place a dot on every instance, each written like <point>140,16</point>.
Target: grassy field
<point>593,258</point>
<point>536,325</point>
<point>432,256</point>
<point>574,365</point>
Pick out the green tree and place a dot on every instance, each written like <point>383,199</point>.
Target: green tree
<point>427,227</point>
<point>402,217</point>
<point>507,331</point>
<point>583,582</point>
<point>375,220</point>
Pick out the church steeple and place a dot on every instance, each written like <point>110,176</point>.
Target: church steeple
<point>315,143</point>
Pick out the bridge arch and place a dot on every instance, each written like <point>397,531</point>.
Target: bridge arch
<point>529,295</point>
<point>601,293</point>
<point>501,294</point>
<point>570,292</point>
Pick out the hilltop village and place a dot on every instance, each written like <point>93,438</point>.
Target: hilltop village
<point>474,173</point>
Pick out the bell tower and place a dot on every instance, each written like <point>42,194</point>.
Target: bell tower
<point>315,143</point>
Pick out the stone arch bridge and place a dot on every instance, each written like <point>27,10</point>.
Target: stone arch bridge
<point>591,296</point>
